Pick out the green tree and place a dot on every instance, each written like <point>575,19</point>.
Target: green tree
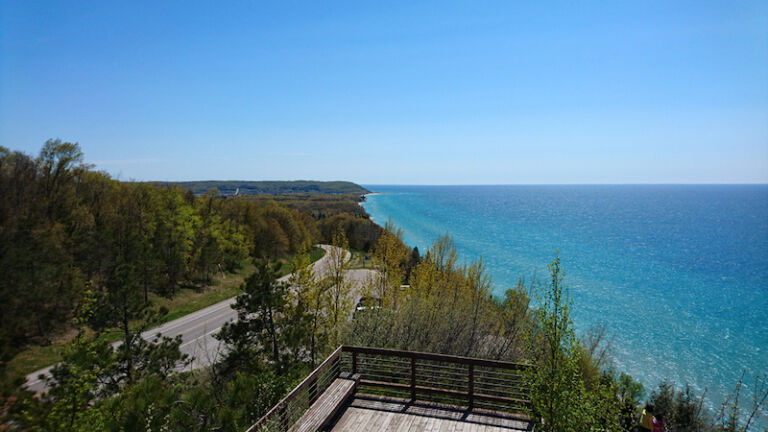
<point>312,296</point>
<point>208,238</point>
<point>338,287</point>
<point>392,257</point>
<point>143,208</point>
<point>176,225</point>
<point>269,327</point>
<point>630,393</point>
<point>559,396</point>
<point>92,373</point>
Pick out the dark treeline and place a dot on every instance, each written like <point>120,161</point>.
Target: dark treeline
<point>271,187</point>
<point>330,211</point>
<point>65,228</point>
<point>320,206</point>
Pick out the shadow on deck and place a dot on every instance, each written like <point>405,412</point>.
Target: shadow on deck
<point>380,413</point>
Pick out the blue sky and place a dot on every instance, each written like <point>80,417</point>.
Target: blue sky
<point>394,93</point>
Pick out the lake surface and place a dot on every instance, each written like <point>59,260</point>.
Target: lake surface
<point>679,274</point>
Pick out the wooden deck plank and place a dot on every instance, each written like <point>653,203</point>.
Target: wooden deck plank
<point>345,420</point>
<point>370,413</point>
<point>362,417</point>
<point>405,423</point>
<point>384,425</point>
<point>418,424</point>
<point>362,423</point>
<point>452,427</point>
<point>349,420</point>
<point>397,421</point>
<point>431,423</point>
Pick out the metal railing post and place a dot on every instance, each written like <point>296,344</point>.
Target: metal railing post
<point>471,390</point>
<point>413,379</point>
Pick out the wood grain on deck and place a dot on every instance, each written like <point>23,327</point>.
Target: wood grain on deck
<point>380,414</point>
<point>325,406</point>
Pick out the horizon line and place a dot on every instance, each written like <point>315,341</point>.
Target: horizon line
<point>571,184</point>
<point>464,184</point>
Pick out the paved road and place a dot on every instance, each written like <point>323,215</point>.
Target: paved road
<point>198,328</point>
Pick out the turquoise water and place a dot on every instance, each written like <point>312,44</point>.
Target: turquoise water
<point>679,274</point>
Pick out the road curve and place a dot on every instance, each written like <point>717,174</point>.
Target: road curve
<point>197,329</point>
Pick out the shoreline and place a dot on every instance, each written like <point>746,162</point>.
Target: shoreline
<point>633,346</point>
<point>363,200</point>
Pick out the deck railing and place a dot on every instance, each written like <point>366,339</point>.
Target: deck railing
<point>290,409</point>
<point>460,381</point>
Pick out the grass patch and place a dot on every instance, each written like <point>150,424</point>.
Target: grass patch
<point>33,358</point>
<point>189,300</point>
<point>316,253</point>
<point>286,264</point>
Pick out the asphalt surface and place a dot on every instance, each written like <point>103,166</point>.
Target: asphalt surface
<point>197,329</point>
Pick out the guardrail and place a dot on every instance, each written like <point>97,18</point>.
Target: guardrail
<point>460,381</point>
<point>290,409</point>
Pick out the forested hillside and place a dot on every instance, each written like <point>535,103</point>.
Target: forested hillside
<point>330,211</point>
<point>84,257</point>
<point>66,229</point>
<point>229,188</point>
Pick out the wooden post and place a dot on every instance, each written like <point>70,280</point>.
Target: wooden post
<point>471,386</point>
<point>413,379</point>
<point>354,362</point>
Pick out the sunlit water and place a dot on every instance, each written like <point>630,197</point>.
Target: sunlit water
<point>679,274</point>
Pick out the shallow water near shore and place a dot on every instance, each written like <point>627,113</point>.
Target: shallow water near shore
<point>678,273</point>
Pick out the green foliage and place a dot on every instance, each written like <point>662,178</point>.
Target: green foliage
<point>393,258</point>
<point>272,187</point>
<point>361,233</point>
<point>311,299</point>
<point>629,389</point>
<point>270,327</point>
<point>448,309</point>
<point>337,287</point>
<point>40,280</point>
<point>93,374</point>
<point>318,206</point>
<point>65,227</point>
<point>680,410</point>
<point>630,394</point>
<point>196,403</point>
<point>560,397</point>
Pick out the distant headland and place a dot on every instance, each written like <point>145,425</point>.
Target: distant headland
<point>241,187</point>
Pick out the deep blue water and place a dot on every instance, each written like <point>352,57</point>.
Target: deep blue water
<point>679,274</point>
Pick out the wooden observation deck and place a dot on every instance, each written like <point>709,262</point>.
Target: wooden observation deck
<point>359,389</point>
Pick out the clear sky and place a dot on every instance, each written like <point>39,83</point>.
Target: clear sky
<point>393,92</point>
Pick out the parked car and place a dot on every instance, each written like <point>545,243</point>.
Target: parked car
<point>367,303</point>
